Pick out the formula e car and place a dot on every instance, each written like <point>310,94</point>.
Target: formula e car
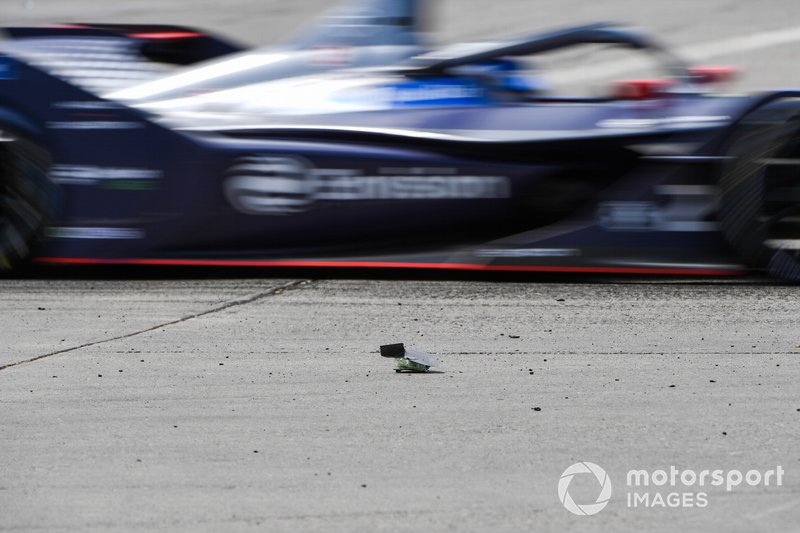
<point>470,157</point>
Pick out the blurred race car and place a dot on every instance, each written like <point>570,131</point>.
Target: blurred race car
<point>471,157</point>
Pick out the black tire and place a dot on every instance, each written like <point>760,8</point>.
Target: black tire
<point>27,197</point>
<point>767,134</point>
<point>785,264</point>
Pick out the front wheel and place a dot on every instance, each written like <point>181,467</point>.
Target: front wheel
<point>26,197</point>
<point>760,190</point>
<point>785,264</point>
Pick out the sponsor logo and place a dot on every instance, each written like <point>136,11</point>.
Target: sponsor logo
<point>681,208</point>
<point>88,105</point>
<point>630,216</point>
<point>109,178</point>
<point>584,509</point>
<point>530,252</point>
<point>664,122</point>
<point>411,93</point>
<point>270,185</point>
<point>7,69</point>
<point>112,234</point>
<point>95,125</point>
<point>287,185</point>
<point>415,94</point>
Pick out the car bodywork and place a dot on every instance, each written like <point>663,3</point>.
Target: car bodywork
<point>438,162</point>
<point>136,63</point>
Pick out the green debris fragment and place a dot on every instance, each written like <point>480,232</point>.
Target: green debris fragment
<point>407,365</point>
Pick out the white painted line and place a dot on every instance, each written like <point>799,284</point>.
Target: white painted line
<point>738,45</point>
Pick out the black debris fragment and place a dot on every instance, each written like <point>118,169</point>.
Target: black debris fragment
<point>394,351</point>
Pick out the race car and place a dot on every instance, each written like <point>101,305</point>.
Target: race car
<point>469,157</point>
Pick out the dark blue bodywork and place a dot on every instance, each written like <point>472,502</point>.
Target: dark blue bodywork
<point>440,170</point>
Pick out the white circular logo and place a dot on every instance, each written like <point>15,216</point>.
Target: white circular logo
<point>586,509</point>
<point>261,185</point>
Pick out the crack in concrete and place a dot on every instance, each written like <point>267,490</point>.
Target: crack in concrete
<point>274,291</point>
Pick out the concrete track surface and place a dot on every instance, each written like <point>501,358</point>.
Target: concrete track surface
<point>262,404</point>
<point>171,403</point>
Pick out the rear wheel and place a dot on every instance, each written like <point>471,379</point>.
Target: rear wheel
<point>785,264</point>
<point>760,190</point>
<point>27,197</point>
